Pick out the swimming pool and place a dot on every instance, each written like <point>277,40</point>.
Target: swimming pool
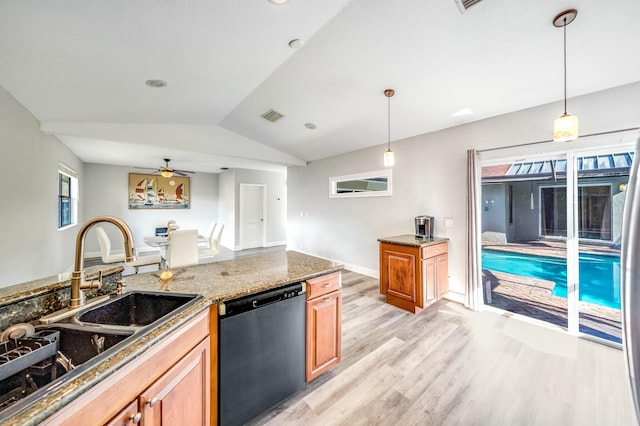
<point>599,275</point>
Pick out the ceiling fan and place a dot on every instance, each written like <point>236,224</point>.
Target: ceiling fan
<point>166,171</point>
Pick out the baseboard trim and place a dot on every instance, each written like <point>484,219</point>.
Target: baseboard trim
<point>360,270</point>
<point>454,296</point>
<point>350,266</point>
<point>275,244</point>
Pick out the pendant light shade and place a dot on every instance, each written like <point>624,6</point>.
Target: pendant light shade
<point>389,157</point>
<point>565,128</point>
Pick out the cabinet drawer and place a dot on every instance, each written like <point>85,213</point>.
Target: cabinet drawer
<point>434,250</point>
<point>323,285</point>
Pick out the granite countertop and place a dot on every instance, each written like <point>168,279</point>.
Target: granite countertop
<point>217,282</point>
<point>222,281</point>
<point>29,289</point>
<point>412,240</point>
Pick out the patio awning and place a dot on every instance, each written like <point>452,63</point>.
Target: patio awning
<point>602,165</point>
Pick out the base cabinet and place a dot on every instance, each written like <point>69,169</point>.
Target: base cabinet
<point>129,416</point>
<point>177,397</point>
<point>324,330</point>
<point>167,385</point>
<point>413,277</point>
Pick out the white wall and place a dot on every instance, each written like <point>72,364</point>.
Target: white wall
<point>31,246</point>
<point>229,208</point>
<point>108,195</point>
<point>226,207</point>
<point>429,178</point>
<point>276,210</point>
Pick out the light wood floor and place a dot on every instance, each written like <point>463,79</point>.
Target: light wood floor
<point>450,366</point>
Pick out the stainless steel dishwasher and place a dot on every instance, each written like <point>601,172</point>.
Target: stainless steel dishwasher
<point>261,352</point>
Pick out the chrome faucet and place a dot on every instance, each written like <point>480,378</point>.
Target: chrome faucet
<point>77,277</point>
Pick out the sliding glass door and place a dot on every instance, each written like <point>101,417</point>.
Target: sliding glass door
<point>524,228</point>
<point>551,230</point>
<point>600,204</point>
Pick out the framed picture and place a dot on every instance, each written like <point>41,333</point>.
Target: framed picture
<point>157,192</point>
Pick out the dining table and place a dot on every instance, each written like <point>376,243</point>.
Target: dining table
<point>163,241</point>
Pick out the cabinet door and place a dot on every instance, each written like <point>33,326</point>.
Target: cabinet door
<point>401,277</point>
<point>127,417</point>
<point>181,395</point>
<point>430,267</point>
<point>442,280</point>
<point>324,333</point>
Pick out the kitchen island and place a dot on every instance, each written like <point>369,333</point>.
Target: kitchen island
<point>217,282</point>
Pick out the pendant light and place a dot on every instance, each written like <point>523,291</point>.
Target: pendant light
<point>389,159</point>
<point>565,128</point>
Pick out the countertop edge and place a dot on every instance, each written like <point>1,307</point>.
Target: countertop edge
<point>271,285</point>
<point>412,241</point>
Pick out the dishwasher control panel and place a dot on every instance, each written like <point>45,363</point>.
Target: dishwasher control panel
<point>258,300</point>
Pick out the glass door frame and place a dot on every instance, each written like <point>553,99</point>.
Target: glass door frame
<point>607,144</point>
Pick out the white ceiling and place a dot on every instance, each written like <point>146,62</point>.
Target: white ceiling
<point>80,66</point>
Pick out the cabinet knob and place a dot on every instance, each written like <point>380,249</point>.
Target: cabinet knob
<point>152,403</point>
<point>135,418</point>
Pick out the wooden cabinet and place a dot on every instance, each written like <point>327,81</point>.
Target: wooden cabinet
<point>413,276</point>
<point>179,396</point>
<point>324,330</point>
<point>176,397</point>
<point>129,416</point>
<point>168,384</point>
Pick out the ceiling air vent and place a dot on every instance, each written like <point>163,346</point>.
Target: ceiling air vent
<point>272,115</point>
<point>463,5</point>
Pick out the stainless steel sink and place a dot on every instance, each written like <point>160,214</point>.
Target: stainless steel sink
<point>136,309</point>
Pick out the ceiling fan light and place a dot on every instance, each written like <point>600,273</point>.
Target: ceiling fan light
<point>565,128</point>
<point>166,173</point>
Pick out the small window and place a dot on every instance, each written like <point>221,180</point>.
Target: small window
<point>67,196</point>
<point>370,184</point>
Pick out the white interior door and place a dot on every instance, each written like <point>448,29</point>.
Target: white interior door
<point>252,215</point>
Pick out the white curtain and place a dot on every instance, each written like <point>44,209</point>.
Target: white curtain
<point>473,280</point>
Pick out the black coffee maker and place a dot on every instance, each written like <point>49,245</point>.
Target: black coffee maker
<point>424,227</point>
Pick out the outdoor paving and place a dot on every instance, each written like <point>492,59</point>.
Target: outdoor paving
<point>533,298</point>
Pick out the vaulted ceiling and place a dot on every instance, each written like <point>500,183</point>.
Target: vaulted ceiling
<point>80,67</point>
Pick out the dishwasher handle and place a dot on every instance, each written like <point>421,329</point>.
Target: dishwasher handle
<point>259,300</point>
<point>265,302</point>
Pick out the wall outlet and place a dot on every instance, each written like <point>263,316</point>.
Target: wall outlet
<point>448,222</point>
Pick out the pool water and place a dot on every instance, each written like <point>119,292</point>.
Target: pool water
<point>599,275</point>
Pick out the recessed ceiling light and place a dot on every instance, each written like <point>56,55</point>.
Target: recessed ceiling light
<point>278,2</point>
<point>296,43</point>
<point>310,126</point>
<point>156,83</point>
<point>463,111</point>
